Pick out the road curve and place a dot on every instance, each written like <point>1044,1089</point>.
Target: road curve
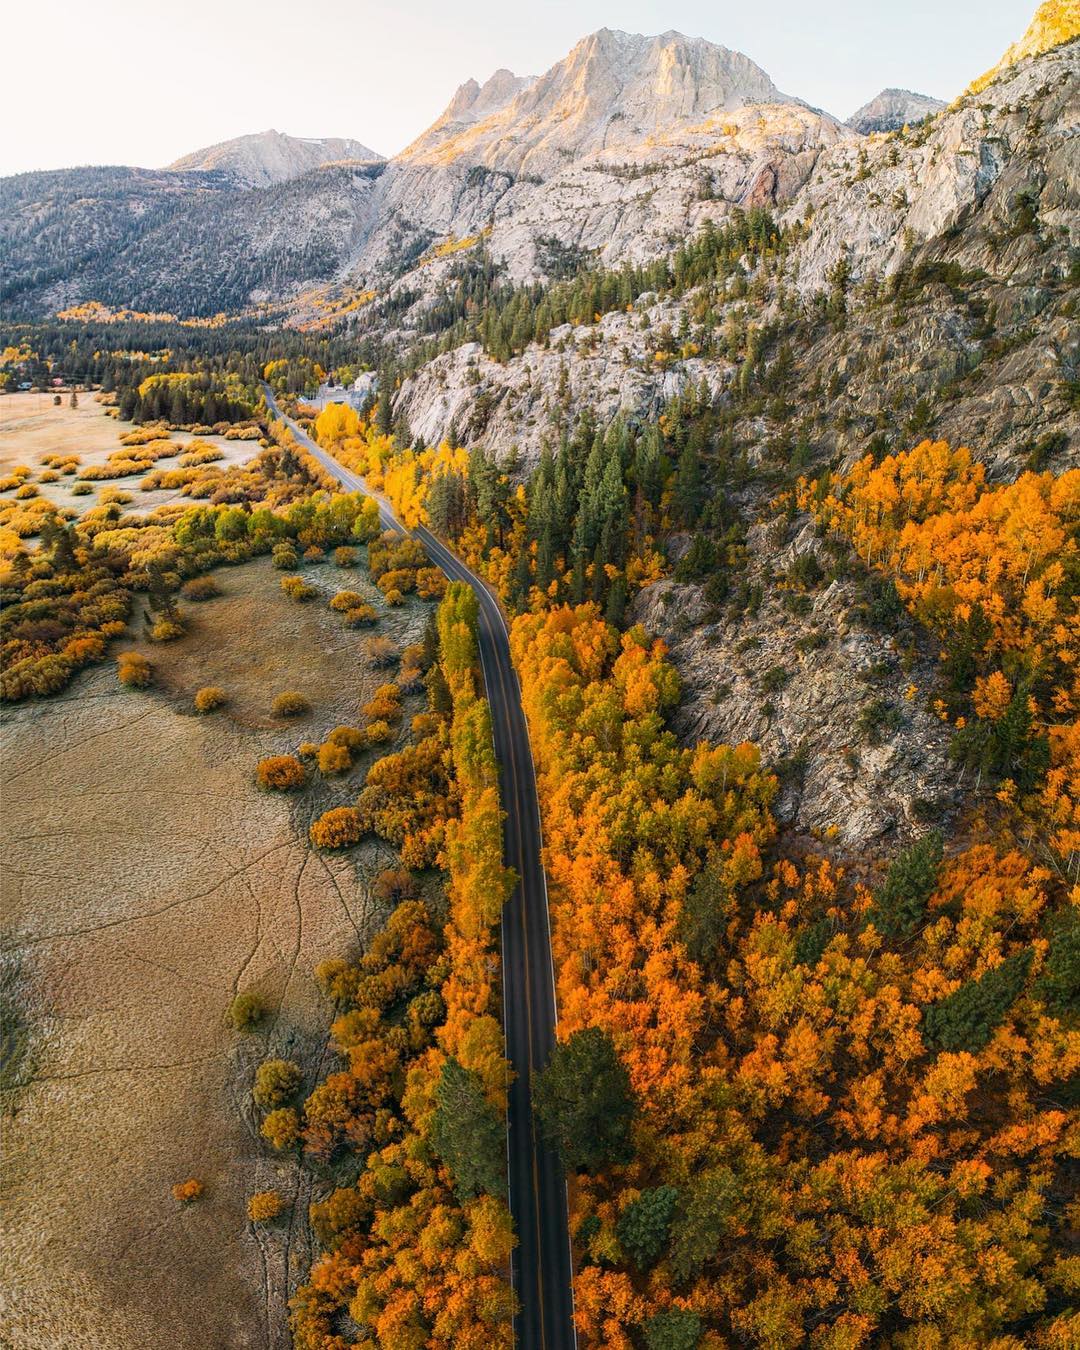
<point>542,1272</point>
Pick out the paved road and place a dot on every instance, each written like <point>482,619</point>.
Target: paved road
<point>541,1266</point>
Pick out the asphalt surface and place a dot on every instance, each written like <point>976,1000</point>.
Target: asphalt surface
<point>542,1274</point>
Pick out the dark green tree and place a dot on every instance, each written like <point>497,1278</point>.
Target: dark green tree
<point>585,1102</point>
<point>900,903</point>
<point>674,1329</point>
<point>643,1225</point>
<point>468,1134</point>
<point>966,1019</point>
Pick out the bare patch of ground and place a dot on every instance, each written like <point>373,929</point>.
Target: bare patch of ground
<point>146,880</point>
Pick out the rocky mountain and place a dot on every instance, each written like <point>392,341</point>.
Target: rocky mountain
<point>186,243</point>
<point>617,152</point>
<point>893,109</point>
<point>615,93</point>
<point>618,148</point>
<point>269,157</point>
<point>1055,21</point>
<point>927,289</point>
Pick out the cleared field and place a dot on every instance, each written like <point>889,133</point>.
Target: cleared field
<point>31,426</point>
<point>146,880</point>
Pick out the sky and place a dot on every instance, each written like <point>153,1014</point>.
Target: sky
<point>131,82</point>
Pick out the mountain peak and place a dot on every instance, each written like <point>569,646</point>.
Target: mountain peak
<point>1054,22</point>
<point>271,156</point>
<point>892,109</point>
<point>613,91</point>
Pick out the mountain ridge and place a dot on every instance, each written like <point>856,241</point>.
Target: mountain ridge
<point>892,109</point>
<point>264,158</point>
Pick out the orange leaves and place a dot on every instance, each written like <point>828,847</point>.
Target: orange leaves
<point>992,695</point>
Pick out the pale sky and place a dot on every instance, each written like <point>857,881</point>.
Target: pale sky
<point>139,82</point>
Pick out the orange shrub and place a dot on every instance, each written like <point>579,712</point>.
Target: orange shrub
<point>208,698</point>
<point>200,588</point>
<point>166,630</point>
<point>281,1128</point>
<point>280,773</point>
<point>340,827</point>
<point>187,1190</point>
<point>334,759</point>
<point>134,670</point>
<point>346,600</point>
<point>290,704</point>
<point>352,738</point>
<point>378,733</point>
<point>296,588</point>
<point>264,1205</point>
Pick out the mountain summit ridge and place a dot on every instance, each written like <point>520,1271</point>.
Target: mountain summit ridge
<point>262,158</point>
<point>612,91</point>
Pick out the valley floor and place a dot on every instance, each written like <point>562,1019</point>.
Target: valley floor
<point>146,881</point>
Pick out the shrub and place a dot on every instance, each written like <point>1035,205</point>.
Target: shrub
<point>83,650</point>
<point>394,597</point>
<point>344,556</point>
<point>307,749</point>
<point>276,1080</point>
<point>399,579</point>
<point>381,652</point>
<point>246,1011</point>
<point>185,1191</point>
<point>363,616</point>
<point>281,1128</point>
<point>200,588</point>
<point>314,554</point>
<point>346,600</point>
<point>378,733</point>
<point>878,720</point>
<point>166,630</point>
<point>208,698</point>
<point>280,773</point>
<point>385,704</point>
<point>393,885</point>
<point>431,583</point>
<point>27,491</point>
<point>290,704</point>
<point>49,476</point>
<point>334,759</point>
<point>296,588</point>
<point>774,679</point>
<point>197,454</point>
<point>134,670</point>
<point>264,1206</point>
<point>340,827</point>
<point>352,738</point>
<point>81,489</point>
<point>284,557</point>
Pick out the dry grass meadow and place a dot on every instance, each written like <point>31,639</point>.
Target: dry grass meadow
<point>146,880</point>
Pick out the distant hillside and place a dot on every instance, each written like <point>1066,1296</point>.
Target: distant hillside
<point>893,109</point>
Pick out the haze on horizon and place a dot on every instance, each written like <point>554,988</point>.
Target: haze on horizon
<point>136,86</point>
